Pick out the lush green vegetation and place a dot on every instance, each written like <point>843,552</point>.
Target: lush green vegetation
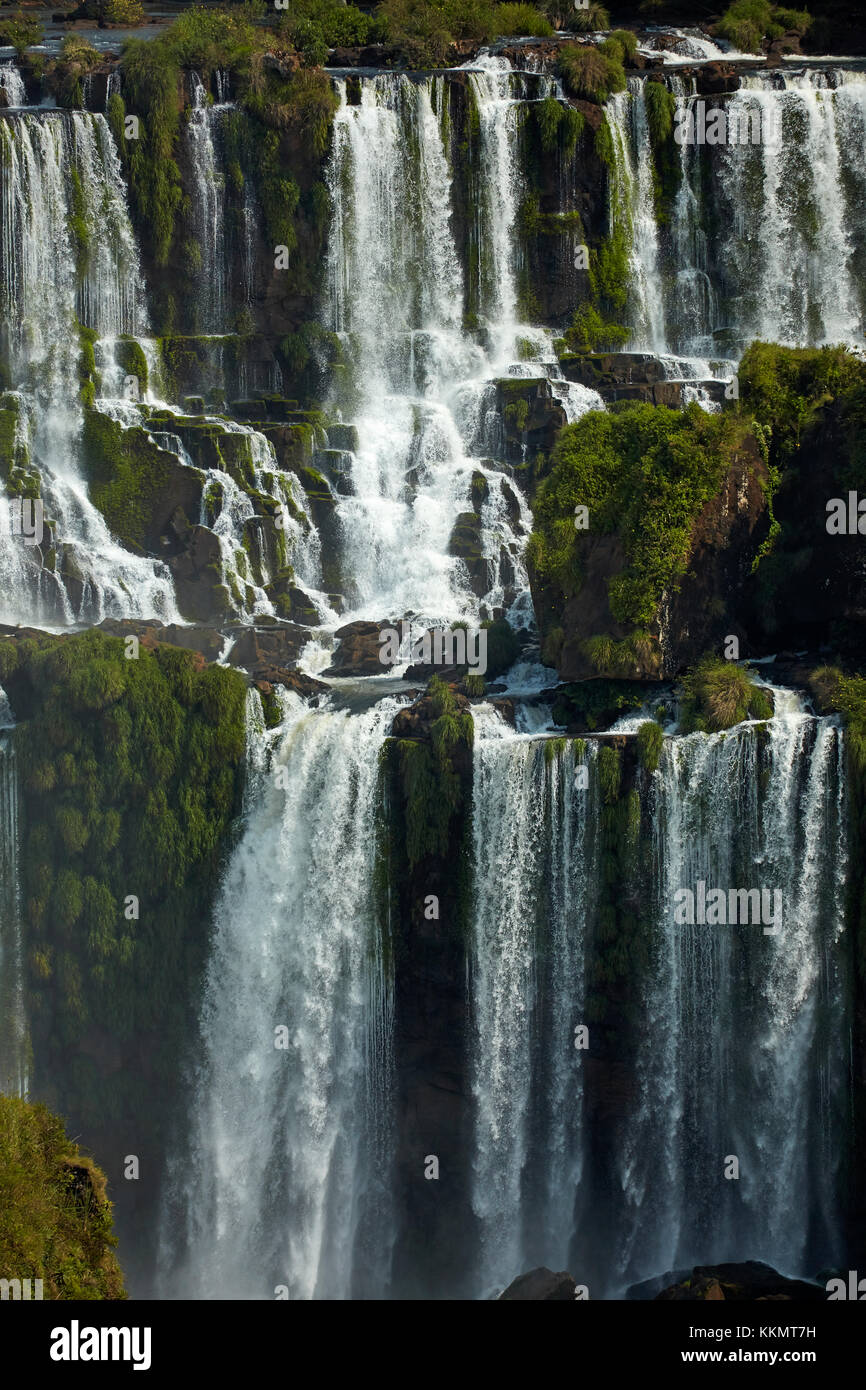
<point>126,12</point>
<point>558,125</point>
<point>807,407</point>
<point>19,31</point>
<point>719,694</point>
<point>667,169</point>
<point>125,472</point>
<point>595,704</point>
<point>77,59</point>
<point>592,73</point>
<point>55,1217</point>
<point>649,744</point>
<point>424,31</point>
<point>644,474</point>
<point>833,690</point>
<point>287,97</point>
<point>131,768</point>
<point>747,24</point>
<point>787,389</point>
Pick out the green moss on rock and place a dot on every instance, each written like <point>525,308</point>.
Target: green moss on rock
<point>131,773</point>
<point>55,1216</point>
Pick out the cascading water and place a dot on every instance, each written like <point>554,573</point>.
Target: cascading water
<point>12,83</point>
<point>287,1180</point>
<point>632,210</point>
<point>208,209</point>
<point>283,1180</point>
<point>535,832</point>
<point>67,256</point>
<point>396,293</point>
<point>767,235</point>
<point>746,1044</point>
<point>743,1041</point>
<point>223,262</point>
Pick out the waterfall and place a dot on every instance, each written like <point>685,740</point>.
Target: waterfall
<point>208,210</point>
<point>13,1025</point>
<point>764,240</point>
<point>422,383</point>
<point>746,1041</point>
<point>743,1036</point>
<point>632,208</point>
<point>535,862</point>
<point>12,84</point>
<point>499,198</point>
<point>287,1180</point>
<point>67,257</point>
<point>795,207</point>
<point>225,259</point>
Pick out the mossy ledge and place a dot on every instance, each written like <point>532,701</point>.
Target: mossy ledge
<point>131,767</point>
<point>55,1216</point>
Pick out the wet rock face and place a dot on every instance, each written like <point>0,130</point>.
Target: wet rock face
<point>634,376</point>
<point>307,687</point>
<point>359,650</point>
<point>532,417</point>
<point>540,1286</point>
<point>197,573</point>
<point>277,645</point>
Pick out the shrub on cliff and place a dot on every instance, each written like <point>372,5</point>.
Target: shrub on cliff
<point>19,31</point>
<point>644,474</point>
<point>621,45</point>
<point>129,12</point>
<point>590,20</point>
<point>55,1217</point>
<point>719,694</point>
<point>77,59</point>
<point>833,690</point>
<point>788,388</point>
<point>589,73</point>
<point>748,23</point>
<point>649,744</point>
<point>425,30</point>
<point>329,21</point>
<point>520,21</point>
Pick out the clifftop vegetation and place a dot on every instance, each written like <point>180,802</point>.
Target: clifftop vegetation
<point>55,1216</point>
<point>131,777</point>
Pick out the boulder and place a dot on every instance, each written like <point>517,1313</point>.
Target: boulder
<point>358,652</point>
<point>416,720</point>
<point>278,644</point>
<point>541,1286</point>
<point>302,684</point>
<point>197,572</point>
